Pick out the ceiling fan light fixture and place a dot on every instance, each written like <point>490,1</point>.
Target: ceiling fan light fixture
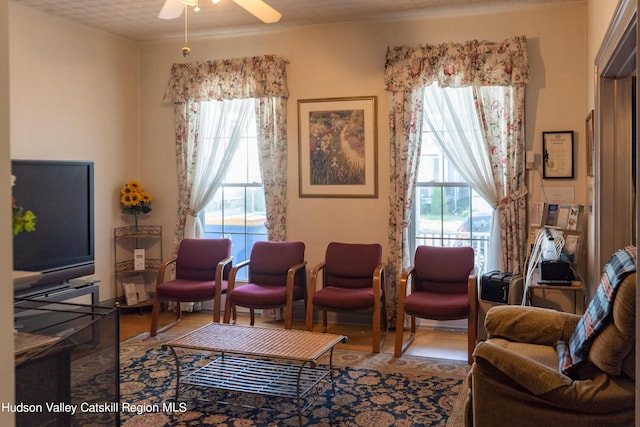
<point>174,8</point>
<point>261,10</point>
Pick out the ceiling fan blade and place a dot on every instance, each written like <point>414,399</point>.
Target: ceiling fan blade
<point>171,9</point>
<point>260,9</point>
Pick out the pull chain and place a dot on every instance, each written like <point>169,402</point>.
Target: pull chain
<point>185,50</point>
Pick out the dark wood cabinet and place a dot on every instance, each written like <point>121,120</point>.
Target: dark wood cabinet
<point>61,350</point>
<point>41,381</point>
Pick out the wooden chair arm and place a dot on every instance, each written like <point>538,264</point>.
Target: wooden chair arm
<point>222,270</point>
<point>232,274</point>
<point>378,281</point>
<point>472,288</point>
<point>311,289</point>
<point>162,269</point>
<point>291,276</point>
<point>221,267</point>
<point>231,282</point>
<point>405,278</point>
<point>291,273</point>
<point>472,332</point>
<point>313,277</point>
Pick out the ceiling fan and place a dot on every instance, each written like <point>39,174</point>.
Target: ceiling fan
<point>173,9</point>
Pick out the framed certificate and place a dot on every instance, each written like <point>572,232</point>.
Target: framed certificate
<point>557,154</point>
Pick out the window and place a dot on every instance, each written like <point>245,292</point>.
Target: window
<point>446,210</point>
<point>237,210</point>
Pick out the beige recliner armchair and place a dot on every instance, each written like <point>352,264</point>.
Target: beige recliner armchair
<point>516,379</point>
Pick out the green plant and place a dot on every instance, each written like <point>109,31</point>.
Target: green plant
<point>22,220</point>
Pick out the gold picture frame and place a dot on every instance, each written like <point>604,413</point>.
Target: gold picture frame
<point>338,147</point>
<point>590,142</point>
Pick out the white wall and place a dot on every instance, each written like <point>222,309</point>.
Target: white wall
<point>74,96</point>
<point>77,93</point>
<point>348,60</point>
<point>6,292</point>
<point>600,14</point>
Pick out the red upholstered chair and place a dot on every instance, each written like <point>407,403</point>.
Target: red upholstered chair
<point>277,277</point>
<point>443,287</point>
<point>201,267</point>
<point>352,279</point>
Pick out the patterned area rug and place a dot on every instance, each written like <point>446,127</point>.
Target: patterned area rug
<point>370,390</point>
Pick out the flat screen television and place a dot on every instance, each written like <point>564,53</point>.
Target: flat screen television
<point>60,194</point>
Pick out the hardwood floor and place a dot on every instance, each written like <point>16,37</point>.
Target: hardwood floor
<point>428,343</point>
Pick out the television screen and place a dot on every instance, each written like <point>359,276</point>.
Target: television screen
<point>60,194</point>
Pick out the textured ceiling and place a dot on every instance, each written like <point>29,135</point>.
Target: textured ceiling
<point>137,19</point>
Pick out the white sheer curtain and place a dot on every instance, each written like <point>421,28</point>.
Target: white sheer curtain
<point>261,78</point>
<point>450,113</point>
<point>222,123</point>
<point>473,63</point>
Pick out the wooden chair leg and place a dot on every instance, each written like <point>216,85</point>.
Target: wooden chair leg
<point>155,315</point>
<point>324,321</point>
<point>229,311</point>
<point>252,316</point>
<point>375,326</point>
<point>472,331</point>
<point>401,345</point>
<point>216,310</point>
<point>308,324</point>
<point>288,317</point>
<point>397,348</point>
<point>385,320</point>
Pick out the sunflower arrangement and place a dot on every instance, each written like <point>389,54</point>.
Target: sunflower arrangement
<point>133,199</point>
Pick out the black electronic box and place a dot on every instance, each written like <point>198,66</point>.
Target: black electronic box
<point>495,286</point>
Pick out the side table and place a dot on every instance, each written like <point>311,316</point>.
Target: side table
<point>576,293</point>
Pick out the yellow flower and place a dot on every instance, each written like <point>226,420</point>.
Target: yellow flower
<point>133,198</point>
<point>135,185</point>
<point>125,200</point>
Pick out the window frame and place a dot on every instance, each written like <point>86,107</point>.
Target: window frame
<point>242,245</point>
<point>480,241</point>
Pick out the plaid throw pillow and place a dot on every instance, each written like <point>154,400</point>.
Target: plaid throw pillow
<point>621,264</point>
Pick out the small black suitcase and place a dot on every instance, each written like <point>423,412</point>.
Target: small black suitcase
<point>495,286</point>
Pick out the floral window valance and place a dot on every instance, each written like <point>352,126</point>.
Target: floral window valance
<point>472,63</point>
<point>251,77</point>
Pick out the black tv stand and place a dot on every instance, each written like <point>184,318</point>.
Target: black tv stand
<point>59,292</point>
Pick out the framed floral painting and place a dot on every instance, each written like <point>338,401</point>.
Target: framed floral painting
<point>338,147</point>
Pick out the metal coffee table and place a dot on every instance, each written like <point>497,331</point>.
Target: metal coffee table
<point>279,363</point>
